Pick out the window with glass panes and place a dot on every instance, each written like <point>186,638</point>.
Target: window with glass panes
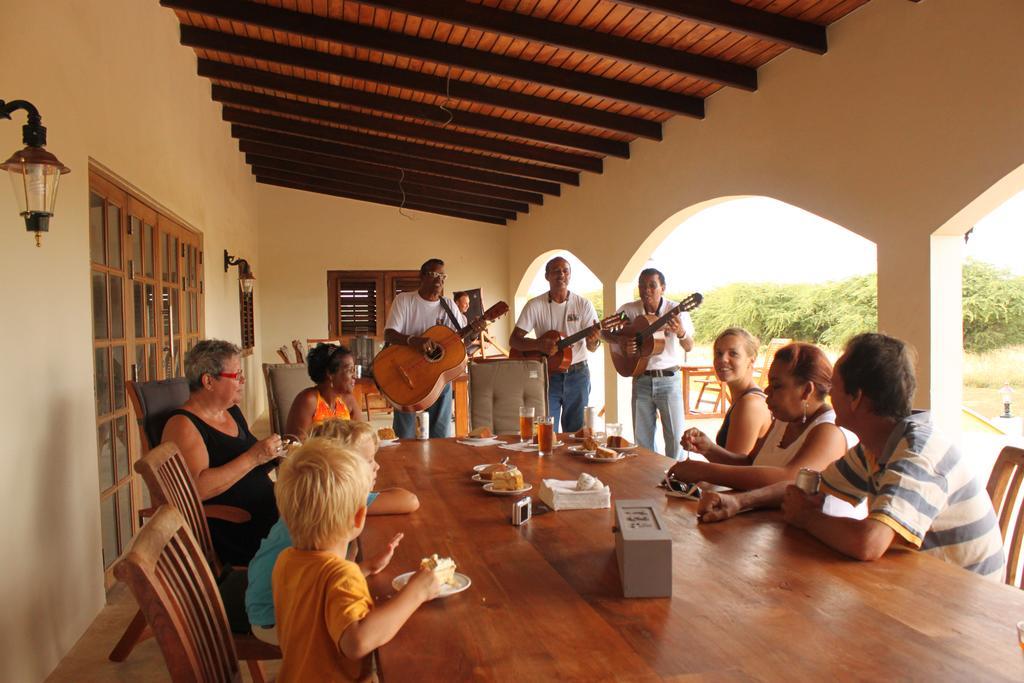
<point>145,268</point>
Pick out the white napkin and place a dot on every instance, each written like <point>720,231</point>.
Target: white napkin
<point>480,443</point>
<point>564,495</point>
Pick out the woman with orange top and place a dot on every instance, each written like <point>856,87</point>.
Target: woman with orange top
<point>333,368</point>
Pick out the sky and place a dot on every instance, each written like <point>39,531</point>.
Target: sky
<point>734,232</point>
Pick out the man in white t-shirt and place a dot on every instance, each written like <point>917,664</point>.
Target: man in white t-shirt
<point>659,390</point>
<point>568,313</point>
<point>412,314</point>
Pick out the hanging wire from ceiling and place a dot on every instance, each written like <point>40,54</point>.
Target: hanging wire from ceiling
<point>402,189</point>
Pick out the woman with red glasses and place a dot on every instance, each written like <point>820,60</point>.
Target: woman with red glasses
<point>229,466</point>
<point>333,368</point>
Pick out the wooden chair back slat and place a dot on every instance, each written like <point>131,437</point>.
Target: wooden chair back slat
<point>1005,486</point>
<point>168,574</point>
<point>169,482</point>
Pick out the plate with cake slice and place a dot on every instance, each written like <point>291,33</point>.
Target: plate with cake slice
<point>580,450</point>
<point>491,488</point>
<point>604,455</point>
<point>452,582</point>
<point>619,444</point>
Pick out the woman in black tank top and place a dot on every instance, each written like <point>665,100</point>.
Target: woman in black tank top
<point>747,419</point>
<point>229,466</point>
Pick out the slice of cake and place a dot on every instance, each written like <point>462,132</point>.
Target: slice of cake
<point>386,433</point>
<point>443,567</point>
<point>589,444</point>
<point>603,452</point>
<point>617,442</point>
<point>481,433</point>
<point>489,471</point>
<point>509,480</point>
<point>584,433</point>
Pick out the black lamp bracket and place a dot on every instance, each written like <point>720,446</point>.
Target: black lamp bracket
<point>33,133</point>
<point>233,261</point>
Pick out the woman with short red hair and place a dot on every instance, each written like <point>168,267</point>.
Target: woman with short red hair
<point>803,433</point>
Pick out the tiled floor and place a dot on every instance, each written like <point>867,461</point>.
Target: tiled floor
<point>88,661</point>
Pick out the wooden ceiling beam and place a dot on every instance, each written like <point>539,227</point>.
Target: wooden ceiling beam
<point>311,187</point>
<point>416,131</point>
<point>323,28</point>
<point>576,39</point>
<point>420,82</point>
<point>753,22</point>
<point>258,152</point>
<point>394,193</point>
<point>395,105</point>
<point>370,156</point>
<point>341,173</point>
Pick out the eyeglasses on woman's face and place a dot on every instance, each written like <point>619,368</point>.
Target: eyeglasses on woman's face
<point>240,375</point>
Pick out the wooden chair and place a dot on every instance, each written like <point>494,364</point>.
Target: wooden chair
<point>1004,488</point>
<point>766,362</point>
<point>283,382</point>
<point>170,483</point>
<point>168,574</point>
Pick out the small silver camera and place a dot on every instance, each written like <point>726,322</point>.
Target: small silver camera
<point>521,511</point>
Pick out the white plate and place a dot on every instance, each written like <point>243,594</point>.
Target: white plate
<point>623,449</point>
<point>593,456</point>
<point>462,582</point>
<point>481,467</point>
<point>579,450</point>
<point>477,477</point>
<point>480,439</point>
<point>489,487</point>
<point>388,442</point>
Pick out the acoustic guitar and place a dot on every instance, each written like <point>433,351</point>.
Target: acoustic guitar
<point>561,359</point>
<point>633,344</point>
<point>412,380</point>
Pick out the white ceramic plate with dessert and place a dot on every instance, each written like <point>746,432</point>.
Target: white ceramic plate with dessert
<point>489,487</point>
<point>478,477</point>
<point>388,442</point>
<point>461,583</point>
<point>483,466</point>
<point>480,439</point>
<point>579,450</point>
<point>621,449</point>
<point>596,458</point>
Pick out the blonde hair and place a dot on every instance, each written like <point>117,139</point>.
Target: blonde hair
<point>348,432</point>
<point>320,488</point>
<point>751,344</point>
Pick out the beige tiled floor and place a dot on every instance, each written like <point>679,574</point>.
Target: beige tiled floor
<point>88,661</point>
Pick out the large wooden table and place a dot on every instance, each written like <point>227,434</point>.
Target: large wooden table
<point>753,599</point>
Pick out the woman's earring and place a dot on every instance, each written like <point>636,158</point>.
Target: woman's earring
<point>804,419</point>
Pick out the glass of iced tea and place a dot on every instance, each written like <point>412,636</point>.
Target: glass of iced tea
<point>525,423</point>
<point>545,435</point>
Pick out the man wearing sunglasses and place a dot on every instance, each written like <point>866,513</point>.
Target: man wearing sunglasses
<point>412,314</point>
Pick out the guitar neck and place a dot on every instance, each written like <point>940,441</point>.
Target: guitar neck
<point>691,302</point>
<point>582,334</point>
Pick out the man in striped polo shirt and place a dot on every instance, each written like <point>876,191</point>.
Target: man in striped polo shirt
<point>920,491</point>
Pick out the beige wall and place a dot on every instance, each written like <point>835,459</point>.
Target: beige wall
<point>303,235</point>
<point>890,134</point>
<point>112,84</point>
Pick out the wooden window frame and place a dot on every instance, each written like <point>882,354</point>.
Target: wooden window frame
<point>386,284</point>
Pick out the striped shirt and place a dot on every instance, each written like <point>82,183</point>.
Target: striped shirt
<point>923,490</point>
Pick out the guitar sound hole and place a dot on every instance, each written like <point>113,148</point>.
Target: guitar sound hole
<point>435,355</point>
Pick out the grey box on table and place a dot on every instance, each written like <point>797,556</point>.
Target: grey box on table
<point>643,548</point>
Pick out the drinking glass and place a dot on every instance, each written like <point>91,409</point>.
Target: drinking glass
<point>545,435</point>
<point>525,423</point>
<point>613,429</point>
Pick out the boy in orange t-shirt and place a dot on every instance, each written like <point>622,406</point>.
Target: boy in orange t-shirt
<point>327,622</point>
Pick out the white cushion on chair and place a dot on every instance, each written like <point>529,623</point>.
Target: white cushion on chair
<point>498,388</point>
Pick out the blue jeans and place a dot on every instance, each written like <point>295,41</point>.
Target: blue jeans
<point>653,395</point>
<point>440,413</point>
<point>568,393</point>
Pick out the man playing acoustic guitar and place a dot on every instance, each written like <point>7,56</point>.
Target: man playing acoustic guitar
<point>566,313</point>
<point>658,389</point>
<point>411,314</point>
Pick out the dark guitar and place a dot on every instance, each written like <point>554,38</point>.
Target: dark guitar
<point>561,359</point>
<point>412,380</point>
<point>633,344</point>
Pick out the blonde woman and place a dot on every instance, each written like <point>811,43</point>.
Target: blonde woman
<point>748,418</point>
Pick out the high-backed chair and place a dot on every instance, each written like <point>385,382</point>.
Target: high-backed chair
<point>766,361</point>
<point>284,382</point>
<point>497,389</point>
<point>152,402</point>
<point>167,572</point>
<point>170,483</point>
<point>1005,490</point>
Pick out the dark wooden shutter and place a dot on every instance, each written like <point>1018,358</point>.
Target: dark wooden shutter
<point>357,307</point>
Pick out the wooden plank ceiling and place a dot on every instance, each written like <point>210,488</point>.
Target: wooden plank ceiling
<point>475,109</point>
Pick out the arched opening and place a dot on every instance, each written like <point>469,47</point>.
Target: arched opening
<point>583,282</point>
<point>762,264</point>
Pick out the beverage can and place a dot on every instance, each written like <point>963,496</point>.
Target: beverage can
<point>589,417</point>
<point>423,426</point>
<point>808,481</point>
